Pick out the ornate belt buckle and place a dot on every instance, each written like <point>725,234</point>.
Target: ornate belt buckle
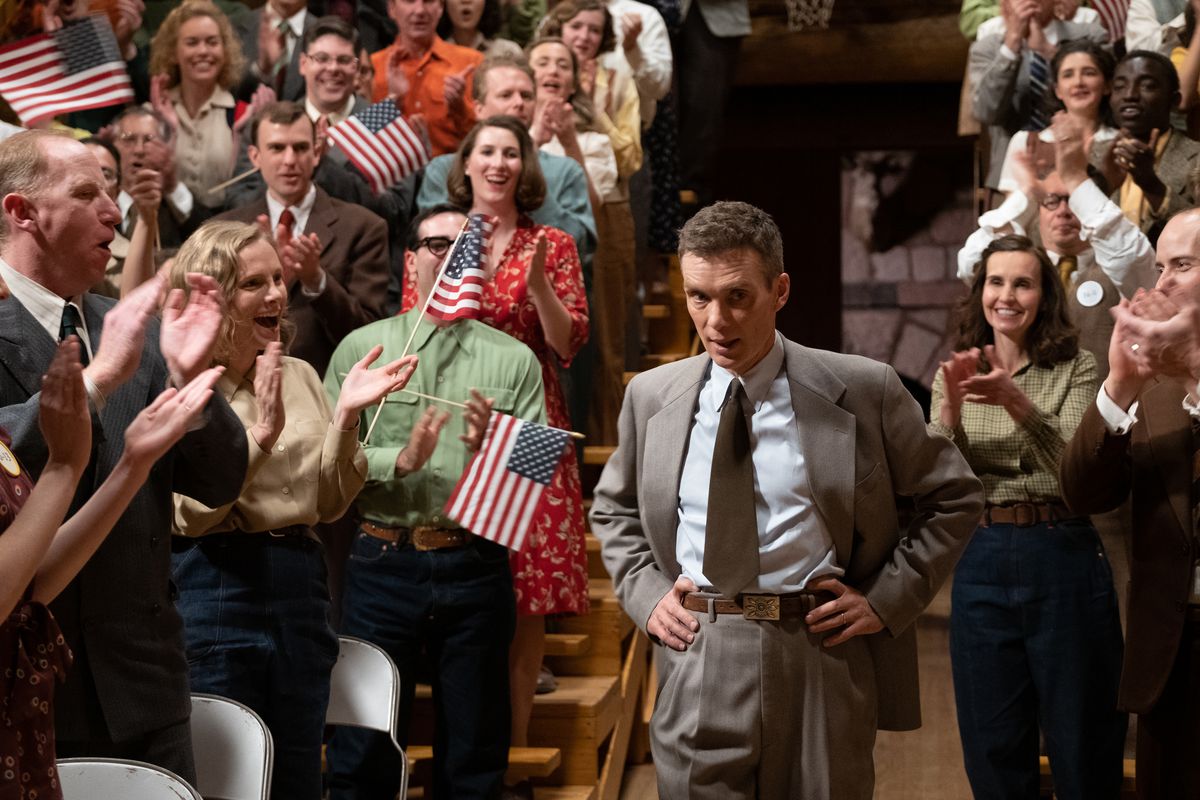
<point>420,537</point>
<point>760,606</point>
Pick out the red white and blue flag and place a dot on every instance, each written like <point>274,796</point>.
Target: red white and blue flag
<point>381,143</point>
<point>500,492</point>
<point>458,291</point>
<point>74,68</point>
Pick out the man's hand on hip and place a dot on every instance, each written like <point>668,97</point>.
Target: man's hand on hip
<point>849,613</point>
<point>671,623</point>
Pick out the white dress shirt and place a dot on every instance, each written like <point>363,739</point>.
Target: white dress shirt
<point>294,31</point>
<point>334,117</point>
<point>651,62</point>
<point>301,213</point>
<point>795,547</point>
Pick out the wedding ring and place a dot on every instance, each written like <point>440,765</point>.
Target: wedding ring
<point>843,619</point>
<point>1135,347</point>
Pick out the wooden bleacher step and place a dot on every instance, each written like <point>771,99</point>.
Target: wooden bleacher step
<point>524,762</point>
<point>598,455</point>
<point>577,718</point>
<point>627,376</point>
<point>567,645</point>
<point>606,625</point>
<point>595,561</point>
<point>656,311</point>
<point>564,793</point>
<point>652,360</point>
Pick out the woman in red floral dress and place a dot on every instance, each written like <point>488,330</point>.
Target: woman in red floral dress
<point>40,554</point>
<point>535,294</point>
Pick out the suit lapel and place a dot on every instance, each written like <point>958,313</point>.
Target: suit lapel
<point>28,348</point>
<point>665,449</point>
<point>826,433</point>
<point>321,221</point>
<point>1169,432</point>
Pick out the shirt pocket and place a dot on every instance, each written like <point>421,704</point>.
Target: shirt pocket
<point>505,399</point>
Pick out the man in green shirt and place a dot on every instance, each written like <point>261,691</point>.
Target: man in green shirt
<point>416,581</point>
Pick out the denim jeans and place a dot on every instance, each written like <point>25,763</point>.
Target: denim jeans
<point>457,608</point>
<point>255,609</point>
<point>1035,640</point>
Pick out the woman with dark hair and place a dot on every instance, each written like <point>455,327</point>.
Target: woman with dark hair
<point>533,292</point>
<point>1035,638</point>
<point>1082,72</point>
<point>251,574</point>
<point>471,23</point>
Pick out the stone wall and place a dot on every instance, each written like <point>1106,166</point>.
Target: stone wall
<point>897,304</point>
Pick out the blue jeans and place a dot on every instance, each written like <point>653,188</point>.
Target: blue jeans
<point>456,608</point>
<point>256,623</point>
<point>1035,640</point>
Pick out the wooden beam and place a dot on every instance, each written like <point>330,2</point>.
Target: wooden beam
<point>923,50</point>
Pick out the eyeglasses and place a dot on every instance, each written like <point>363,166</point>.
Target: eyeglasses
<point>137,138</point>
<point>438,245</point>
<point>1052,201</point>
<point>324,60</point>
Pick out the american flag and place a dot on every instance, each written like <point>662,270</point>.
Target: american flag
<point>499,493</point>
<point>381,143</point>
<point>76,67</point>
<point>459,289</point>
<point>1112,15</point>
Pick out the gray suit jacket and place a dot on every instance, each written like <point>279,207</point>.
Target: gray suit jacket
<point>869,437</point>
<point>1000,93</point>
<point>1174,169</point>
<point>130,675</point>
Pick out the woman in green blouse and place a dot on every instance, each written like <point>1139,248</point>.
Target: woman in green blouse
<point>1035,638</point>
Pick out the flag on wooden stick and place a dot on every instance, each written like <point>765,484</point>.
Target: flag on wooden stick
<point>499,494</point>
<point>74,68</point>
<point>458,291</point>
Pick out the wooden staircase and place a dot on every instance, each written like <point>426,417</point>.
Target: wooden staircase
<point>582,735</point>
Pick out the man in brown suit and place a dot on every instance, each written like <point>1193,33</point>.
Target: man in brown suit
<point>335,254</point>
<point>1139,440</point>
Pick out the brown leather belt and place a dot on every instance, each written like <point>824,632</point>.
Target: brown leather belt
<point>1023,515</point>
<point>422,537</point>
<point>757,606</point>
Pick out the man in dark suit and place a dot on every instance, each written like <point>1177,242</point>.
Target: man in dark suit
<point>335,254</point>
<point>127,693</point>
<point>1139,440</point>
<point>749,521</point>
<point>271,40</point>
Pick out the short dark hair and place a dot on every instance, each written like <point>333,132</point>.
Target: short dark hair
<point>1052,339</point>
<point>332,26</point>
<point>732,225</point>
<point>517,62</point>
<point>552,25</point>
<point>413,236</point>
<point>107,145</point>
<point>490,20</point>
<point>531,184</point>
<point>1164,64</point>
<point>281,112</point>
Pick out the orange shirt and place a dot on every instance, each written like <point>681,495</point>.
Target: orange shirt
<point>426,90</point>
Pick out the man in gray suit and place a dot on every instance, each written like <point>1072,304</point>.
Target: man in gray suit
<point>748,519</point>
<point>1010,75</point>
<point>127,693</point>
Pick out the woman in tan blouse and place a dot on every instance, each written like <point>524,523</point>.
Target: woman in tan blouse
<point>196,60</point>
<point>251,575</point>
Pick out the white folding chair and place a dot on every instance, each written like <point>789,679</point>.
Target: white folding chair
<point>120,779</point>
<point>364,692</point>
<point>233,748</point>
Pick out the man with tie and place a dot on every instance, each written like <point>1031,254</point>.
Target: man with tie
<point>1009,72</point>
<point>271,37</point>
<point>748,519</point>
<point>335,254</point>
<point>1140,439</point>
<point>126,695</point>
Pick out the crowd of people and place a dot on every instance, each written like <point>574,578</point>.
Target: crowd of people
<point>214,348</point>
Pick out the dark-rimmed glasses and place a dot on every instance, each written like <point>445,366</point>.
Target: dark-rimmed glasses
<point>438,245</point>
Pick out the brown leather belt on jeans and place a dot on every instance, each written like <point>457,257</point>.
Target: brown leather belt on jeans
<point>757,606</point>
<point>1024,515</point>
<point>422,537</point>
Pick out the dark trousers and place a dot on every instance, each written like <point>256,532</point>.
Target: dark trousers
<point>169,748</point>
<point>255,609</point>
<point>1168,736</point>
<point>458,606</point>
<point>1035,641</point>
<point>705,65</point>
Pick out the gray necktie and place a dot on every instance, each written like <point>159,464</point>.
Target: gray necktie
<point>731,532</point>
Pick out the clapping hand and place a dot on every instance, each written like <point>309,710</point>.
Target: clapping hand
<point>164,422</point>
<point>189,327</point>
<point>1158,337</point>
<point>397,81</point>
<point>364,387</point>
<point>631,28</point>
<point>536,278</point>
<point>995,388</point>
<point>422,441</point>
<point>268,393</point>
<point>454,87</point>
<point>120,349</point>
<point>477,416</point>
<point>161,103</point>
<point>63,415</point>
<point>960,367</point>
